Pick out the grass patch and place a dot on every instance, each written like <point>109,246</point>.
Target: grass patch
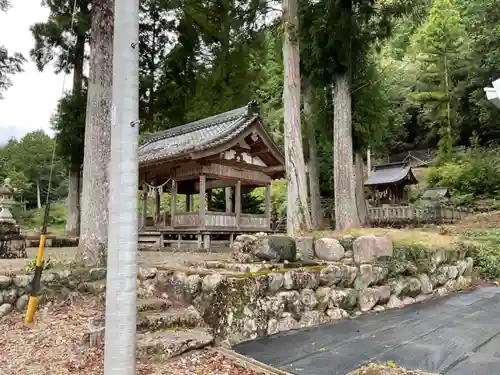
<point>406,237</point>
<point>386,369</point>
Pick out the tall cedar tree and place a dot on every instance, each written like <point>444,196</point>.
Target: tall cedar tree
<point>94,208</point>
<point>298,217</point>
<point>62,39</point>
<point>338,36</point>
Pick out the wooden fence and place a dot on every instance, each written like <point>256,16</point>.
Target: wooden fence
<point>392,216</point>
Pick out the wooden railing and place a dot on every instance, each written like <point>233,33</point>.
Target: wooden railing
<point>394,215</point>
<point>220,219</point>
<point>187,219</point>
<point>254,221</point>
<point>415,214</point>
<point>212,220</point>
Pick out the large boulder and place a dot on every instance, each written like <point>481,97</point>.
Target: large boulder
<point>284,246</point>
<point>367,249</point>
<point>261,247</point>
<point>368,298</point>
<point>305,248</point>
<point>329,249</point>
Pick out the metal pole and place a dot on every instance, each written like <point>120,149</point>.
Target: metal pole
<point>120,331</point>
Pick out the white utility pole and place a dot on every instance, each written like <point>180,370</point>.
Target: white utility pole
<point>119,354</point>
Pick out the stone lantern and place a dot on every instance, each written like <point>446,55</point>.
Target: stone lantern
<point>7,193</point>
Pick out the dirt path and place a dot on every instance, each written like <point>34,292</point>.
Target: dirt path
<point>144,258</point>
<point>53,346</point>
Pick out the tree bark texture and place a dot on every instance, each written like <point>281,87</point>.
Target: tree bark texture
<point>346,213</point>
<point>73,217</point>
<point>73,202</point>
<point>298,217</point>
<point>360,191</point>
<point>312,163</point>
<point>94,208</point>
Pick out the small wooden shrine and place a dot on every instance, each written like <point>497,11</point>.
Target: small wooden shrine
<point>388,183</point>
<point>227,151</point>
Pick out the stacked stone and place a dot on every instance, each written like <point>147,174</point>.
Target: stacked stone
<point>350,279</point>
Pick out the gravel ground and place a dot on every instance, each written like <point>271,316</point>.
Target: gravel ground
<point>144,258</point>
<point>53,346</point>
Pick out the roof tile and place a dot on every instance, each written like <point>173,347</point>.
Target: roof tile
<point>198,135</point>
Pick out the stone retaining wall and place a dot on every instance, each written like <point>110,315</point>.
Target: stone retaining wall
<point>52,241</point>
<point>240,306</point>
<point>55,285</point>
<point>241,301</point>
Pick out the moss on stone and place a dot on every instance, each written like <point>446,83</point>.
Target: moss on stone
<point>229,301</point>
<point>278,270</point>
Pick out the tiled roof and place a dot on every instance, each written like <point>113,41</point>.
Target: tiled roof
<point>390,174</point>
<point>437,192</point>
<point>197,136</point>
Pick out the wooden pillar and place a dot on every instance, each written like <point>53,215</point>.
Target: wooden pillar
<point>157,203</point>
<point>206,242</point>
<point>144,205</point>
<point>268,205</point>
<point>173,204</point>
<point>203,184</point>
<point>229,199</point>
<point>188,202</point>
<point>209,199</point>
<point>237,202</point>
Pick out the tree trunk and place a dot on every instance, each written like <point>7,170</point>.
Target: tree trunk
<point>346,214</point>
<point>73,201</point>
<point>298,217</point>
<point>38,195</point>
<point>94,207</point>
<point>73,217</point>
<point>360,191</point>
<point>312,163</point>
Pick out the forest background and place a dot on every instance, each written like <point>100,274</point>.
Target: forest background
<point>416,76</point>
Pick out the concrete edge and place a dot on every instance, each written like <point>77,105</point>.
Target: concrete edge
<point>248,362</point>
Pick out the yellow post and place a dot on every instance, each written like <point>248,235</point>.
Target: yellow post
<point>35,283</point>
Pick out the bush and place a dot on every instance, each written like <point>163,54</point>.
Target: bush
<point>473,174</point>
<point>33,219</point>
<point>486,253</point>
<point>487,260</point>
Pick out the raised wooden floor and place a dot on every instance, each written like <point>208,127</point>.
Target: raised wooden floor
<point>191,238</point>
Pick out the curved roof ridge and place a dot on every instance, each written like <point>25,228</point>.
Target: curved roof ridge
<point>198,124</point>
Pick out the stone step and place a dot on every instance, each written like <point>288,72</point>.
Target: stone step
<point>169,343</point>
<point>152,304</point>
<point>186,317</point>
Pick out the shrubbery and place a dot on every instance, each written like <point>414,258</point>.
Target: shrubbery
<point>33,219</point>
<point>472,175</point>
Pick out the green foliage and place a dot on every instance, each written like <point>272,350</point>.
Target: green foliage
<point>9,64</point>
<point>52,42</point>
<point>49,263</point>
<point>251,202</point>
<point>33,218</point>
<point>439,46</point>
<point>486,252</point>
<point>69,126</point>
<point>278,198</point>
<point>28,163</point>
<point>474,174</point>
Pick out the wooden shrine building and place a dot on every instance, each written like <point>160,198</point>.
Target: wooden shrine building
<point>227,151</point>
<point>388,184</point>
